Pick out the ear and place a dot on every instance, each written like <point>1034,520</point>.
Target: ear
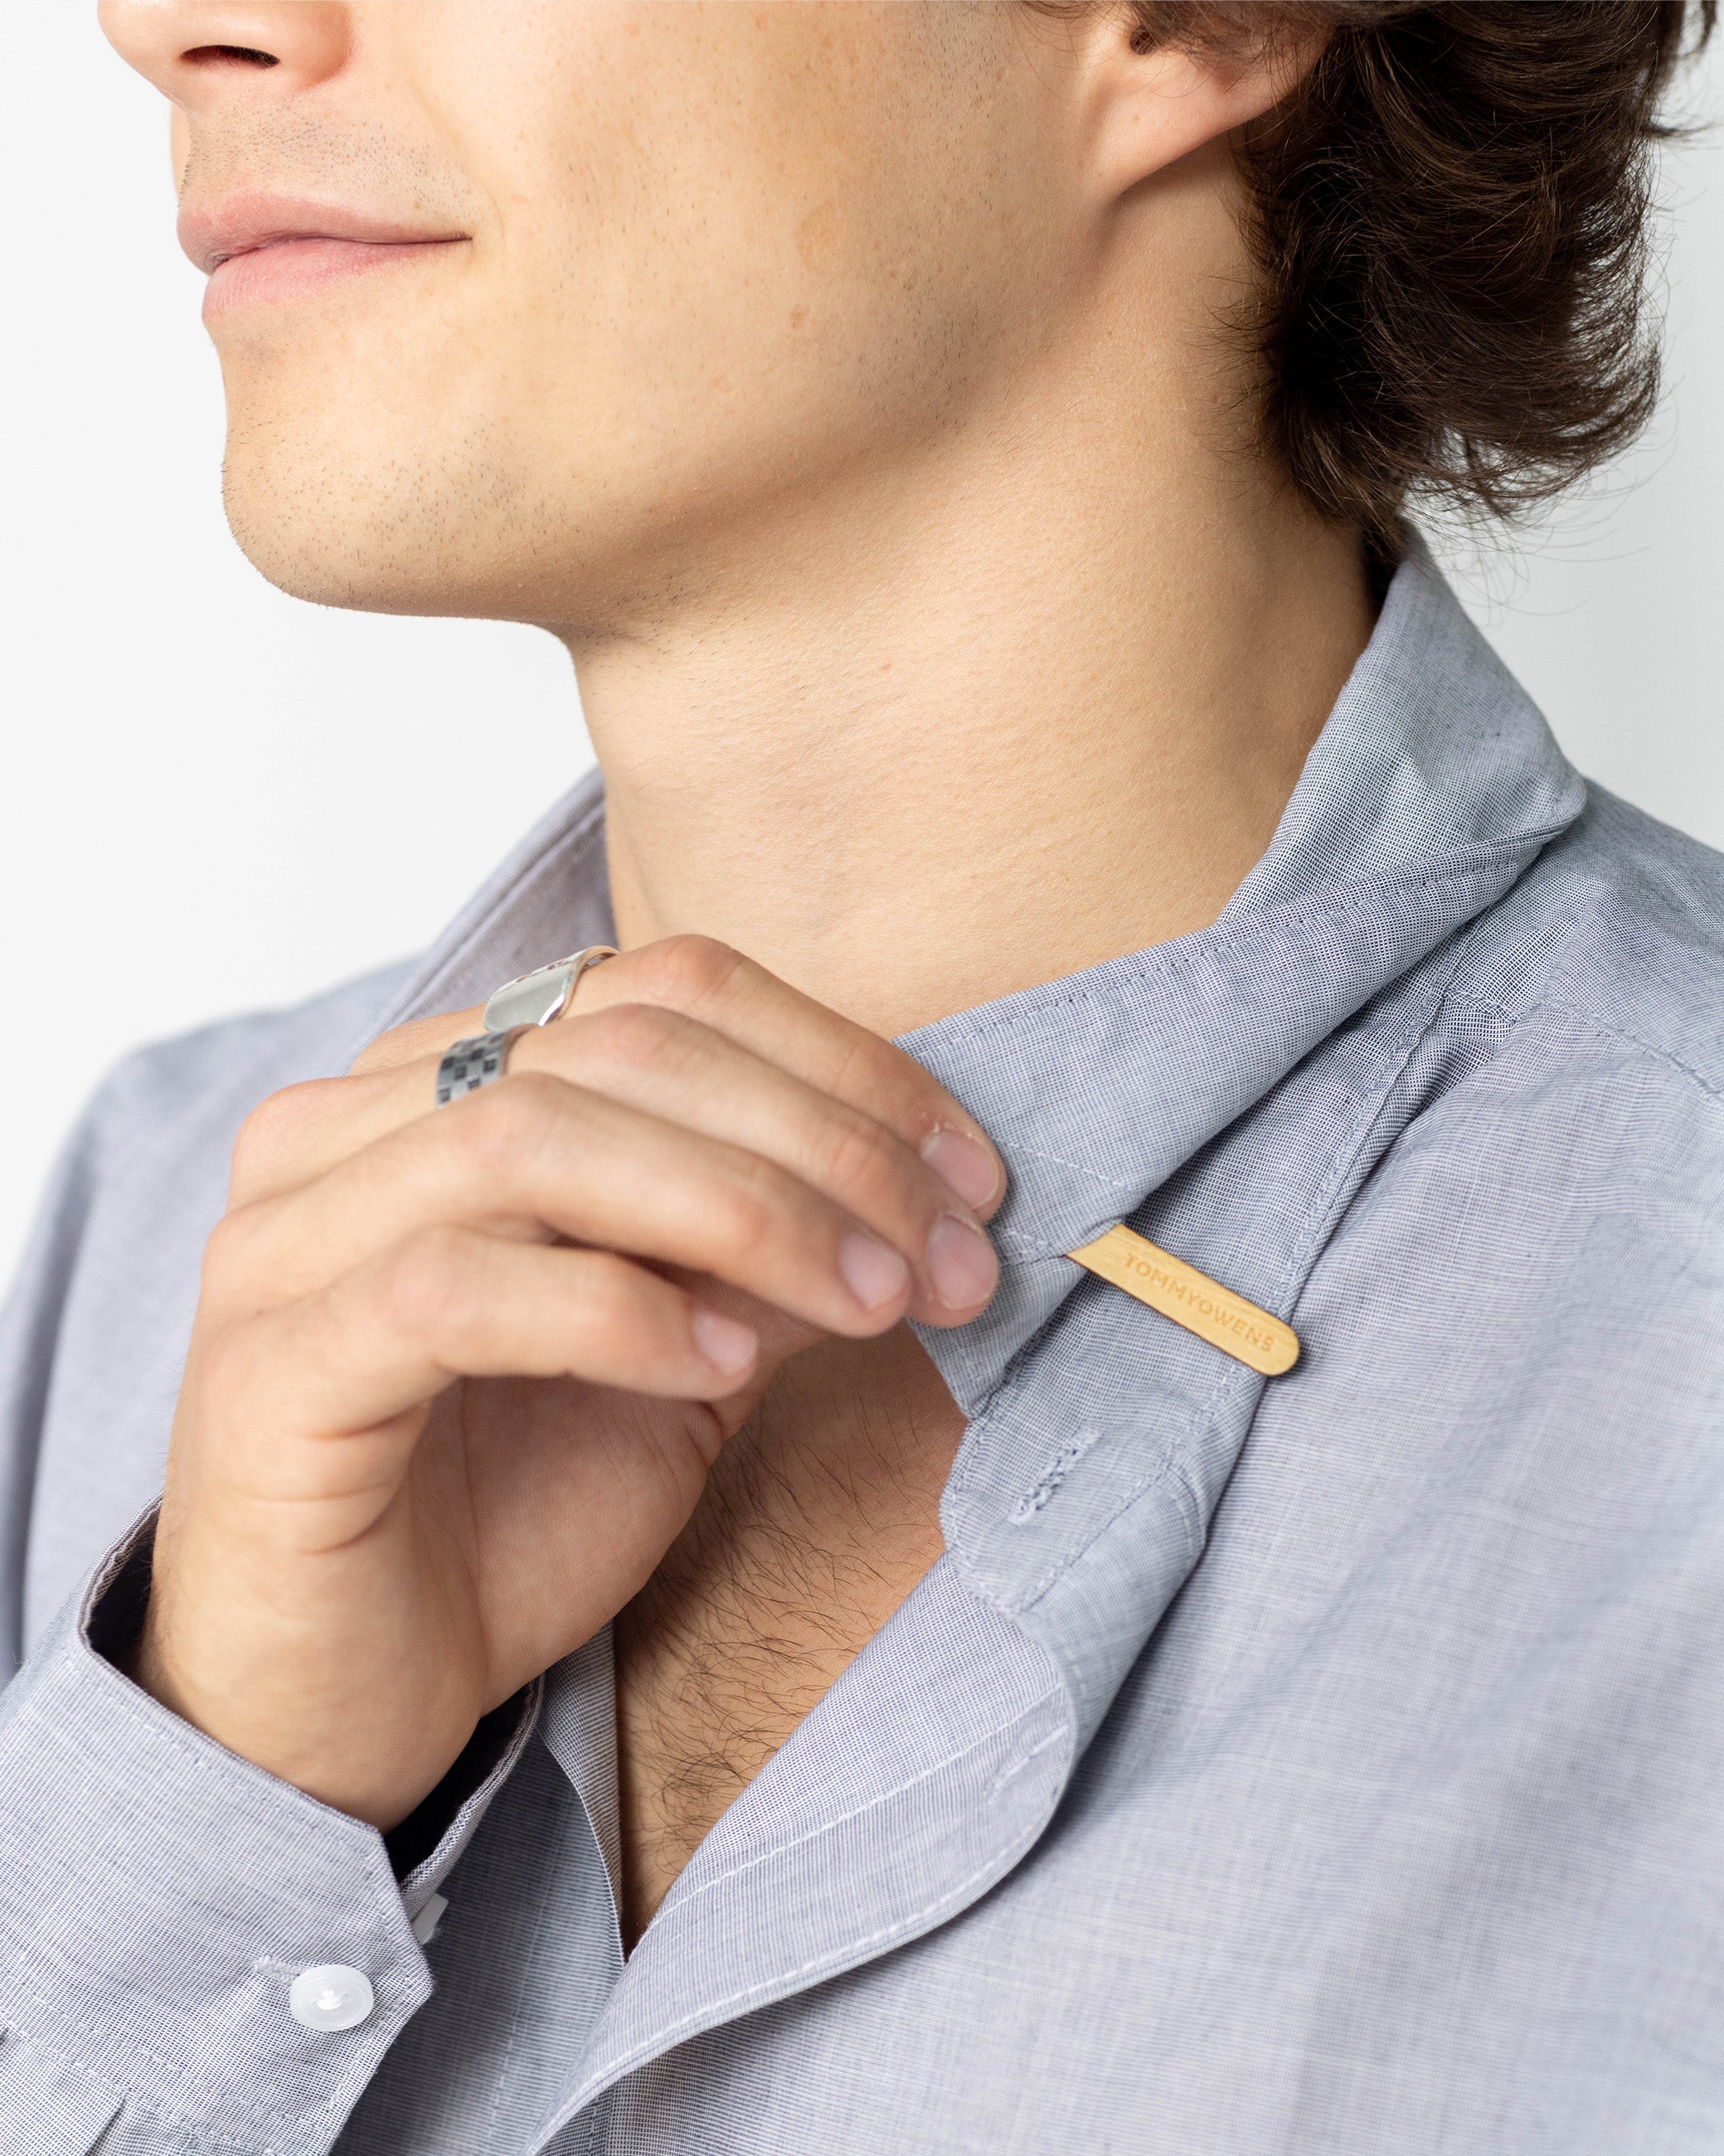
<point>1148,106</point>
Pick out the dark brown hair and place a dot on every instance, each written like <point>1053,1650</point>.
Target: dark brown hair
<point>1450,213</point>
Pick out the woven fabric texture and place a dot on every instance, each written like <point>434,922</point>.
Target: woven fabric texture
<point>1330,1763</point>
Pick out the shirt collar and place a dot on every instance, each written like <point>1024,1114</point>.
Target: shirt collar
<point>1434,783</point>
<point>1432,786</point>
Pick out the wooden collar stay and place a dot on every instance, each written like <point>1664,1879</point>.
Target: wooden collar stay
<point>1192,1298</point>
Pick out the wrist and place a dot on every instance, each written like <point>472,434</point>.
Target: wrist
<point>376,1764</point>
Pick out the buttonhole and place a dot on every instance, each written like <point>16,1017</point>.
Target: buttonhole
<point>1058,1468</point>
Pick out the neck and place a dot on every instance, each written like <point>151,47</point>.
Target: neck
<point>977,723</point>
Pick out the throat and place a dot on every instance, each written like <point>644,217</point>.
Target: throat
<point>820,1517</point>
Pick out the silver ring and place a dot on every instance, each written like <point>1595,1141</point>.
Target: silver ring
<point>537,997</point>
<point>470,1064</point>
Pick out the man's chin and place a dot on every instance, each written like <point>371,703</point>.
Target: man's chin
<point>316,540</point>
<point>348,495</point>
<point>336,508</point>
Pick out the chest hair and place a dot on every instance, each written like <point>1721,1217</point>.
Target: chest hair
<point>820,1517</point>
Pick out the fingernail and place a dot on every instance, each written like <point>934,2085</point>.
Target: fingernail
<point>729,1347</point>
<point>874,1269</point>
<point>962,1264</point>
<point>963,1165</point>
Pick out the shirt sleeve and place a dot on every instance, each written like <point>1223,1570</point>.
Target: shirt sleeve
<point>193,1955</point>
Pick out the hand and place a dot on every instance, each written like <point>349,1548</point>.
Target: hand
<point>457,1375</point>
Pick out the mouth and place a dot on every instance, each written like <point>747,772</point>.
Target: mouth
<point>256,249</point>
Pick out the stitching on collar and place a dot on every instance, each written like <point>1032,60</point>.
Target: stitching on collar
<point>1182,955</point>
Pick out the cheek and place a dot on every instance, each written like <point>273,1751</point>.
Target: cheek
<point>735,292</point>
<point>726,201</point>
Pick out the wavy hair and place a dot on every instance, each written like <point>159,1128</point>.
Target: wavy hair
<point>1450,216</point>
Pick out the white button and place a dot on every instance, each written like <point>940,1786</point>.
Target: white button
<point>331,1996</point>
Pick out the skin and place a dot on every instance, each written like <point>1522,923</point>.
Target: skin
<point>850,387</point>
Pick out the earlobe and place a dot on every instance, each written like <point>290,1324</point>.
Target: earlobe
<point>1153,103</point>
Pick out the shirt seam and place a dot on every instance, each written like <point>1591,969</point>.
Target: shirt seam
<point>1178,957</point>
<point>1601,1027</point>
<point>160,1725</point>
<point>858,1811</point>
<point>134,2100</point>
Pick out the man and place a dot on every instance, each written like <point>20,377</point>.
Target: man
<point>682,1619</point>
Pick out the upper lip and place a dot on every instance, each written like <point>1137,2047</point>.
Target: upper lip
<point>214,232</point>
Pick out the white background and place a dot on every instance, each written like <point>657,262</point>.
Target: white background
<point>215,797</point>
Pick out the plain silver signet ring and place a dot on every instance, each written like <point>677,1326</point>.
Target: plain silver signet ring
<point>537,997</point>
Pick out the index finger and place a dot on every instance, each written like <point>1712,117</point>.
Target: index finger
<point>719,987</point>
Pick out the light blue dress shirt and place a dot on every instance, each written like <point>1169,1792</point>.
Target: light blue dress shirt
<point>1329,1764</point>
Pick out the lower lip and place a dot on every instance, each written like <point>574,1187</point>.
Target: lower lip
<point>293,268</point>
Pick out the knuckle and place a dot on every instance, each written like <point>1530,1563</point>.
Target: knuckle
<point>427,1281</point>
<point>610,1303</point>
<point>272,1135</point>
<point>502,1128</point>
<point>629,1034</point>
<point>687,970</point>
<point>227,1363</point>
<point>751,1206</point>
<point>894,1085</point>
<point>857,1159</point>
<point>230,1254</point>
